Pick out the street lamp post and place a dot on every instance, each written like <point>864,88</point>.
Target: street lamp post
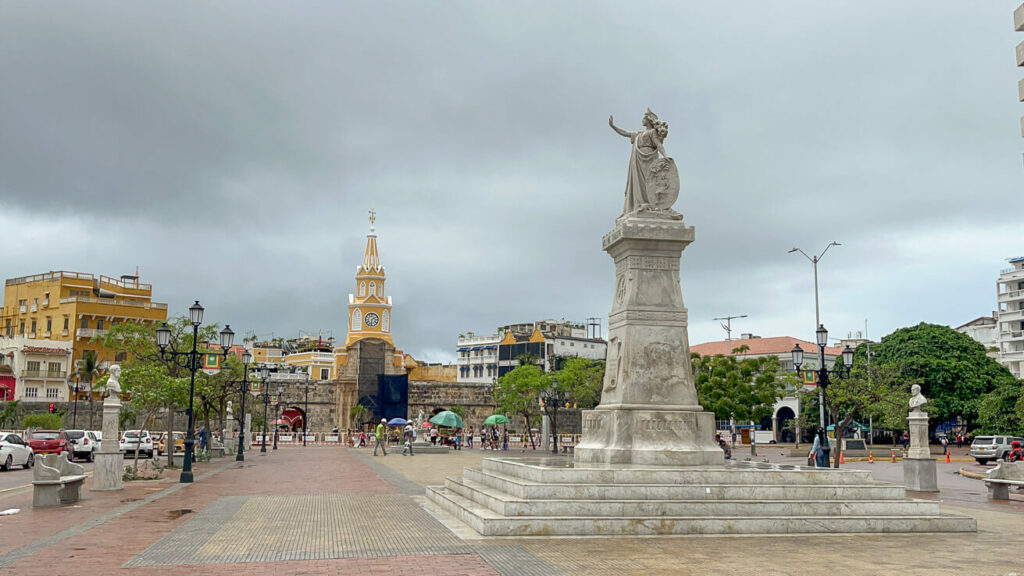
<point>74,415</point>
<point>817,321</point>
<point>305,417</point>
<point>265,396</point>
<point>821,335</point>
<point>190,361</point>
<point>277,414</point>
<point>246,361</point>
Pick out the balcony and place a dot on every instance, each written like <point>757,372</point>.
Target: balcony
<point>46,302</point>
<point>64,332</point>
<point>22,309</point>
<point>34,308</point>
<point>463,361</point>
<point>1011,316</point>
<point>45,374</point>
<point>1018,19</point>
<point>89,332</point>
<point>46,334</point>
<point>115,302</point>
<point>1011,295</point>
<point>1011,335</point>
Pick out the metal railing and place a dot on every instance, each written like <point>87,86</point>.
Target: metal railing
<point>57,374</point>
<point>114,302</point>
<point>48,276</point>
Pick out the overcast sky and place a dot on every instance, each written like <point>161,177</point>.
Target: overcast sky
<point>231,151</point>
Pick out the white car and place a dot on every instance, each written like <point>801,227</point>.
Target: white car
<point>14,452</point>
<point>84,444</point>
<point>141,438</point>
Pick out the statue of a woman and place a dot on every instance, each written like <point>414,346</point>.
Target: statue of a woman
<point>647,144</point>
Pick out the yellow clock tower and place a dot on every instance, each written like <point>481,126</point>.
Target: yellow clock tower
<point>369,309</point>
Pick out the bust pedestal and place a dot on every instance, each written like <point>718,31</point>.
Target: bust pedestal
<point>649,414</point>
<point>919,467</point>
<point>108,470</point>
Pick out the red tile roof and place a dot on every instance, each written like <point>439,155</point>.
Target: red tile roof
<point>43,350</point>
<point>761,346</point>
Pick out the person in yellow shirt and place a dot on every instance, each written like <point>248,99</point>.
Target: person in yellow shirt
<point>382,437</point>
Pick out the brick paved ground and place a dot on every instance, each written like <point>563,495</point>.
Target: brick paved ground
<point>341,511</point>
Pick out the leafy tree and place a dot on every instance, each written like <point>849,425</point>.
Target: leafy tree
<point>359,414</point>
<point>460,410</point>
<point>516,393</point>
<point>741,389</point>
<point>583,379</point>
<point>88,371</point>
<point>953,370</point>
<point>10,413</point>
<point>1002,410</point>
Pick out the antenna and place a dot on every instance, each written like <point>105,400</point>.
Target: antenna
<point>728,327</point>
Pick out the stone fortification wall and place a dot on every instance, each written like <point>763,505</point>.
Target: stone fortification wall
<point>429,396</point>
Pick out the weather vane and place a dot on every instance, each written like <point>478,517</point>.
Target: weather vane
<point>373,218</point>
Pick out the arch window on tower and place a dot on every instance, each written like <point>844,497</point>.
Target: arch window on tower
<point>362,288</point>
<point>357,319</point>
<point>387,321</point>
<point>373,288</point>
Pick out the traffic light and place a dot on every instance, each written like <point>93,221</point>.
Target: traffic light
<point>53,408</point>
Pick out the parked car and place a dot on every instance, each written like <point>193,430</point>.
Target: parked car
<point>83,444</point>
<point>985,449</point>
<point>50,442</point>
<point>179,443</point>
<point>141,438</point>
<point>14,451</point>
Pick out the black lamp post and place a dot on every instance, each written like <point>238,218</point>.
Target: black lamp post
<point>74,415</point>
<point>265,396</point>
<point>277,414</point>
<point>190,361</point>
<point>821,334</point>
<point>244,383</point>
<point>550,400</point>
<point>305,417</point>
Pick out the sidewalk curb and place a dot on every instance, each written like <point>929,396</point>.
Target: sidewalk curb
<point>968,474</point>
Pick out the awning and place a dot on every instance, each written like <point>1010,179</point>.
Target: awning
<point>290,417</point>
<point>492,347</point>
<point>463,349</point>
<point>475,348</point>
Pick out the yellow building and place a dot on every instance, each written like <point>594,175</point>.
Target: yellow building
<point>75,307</point>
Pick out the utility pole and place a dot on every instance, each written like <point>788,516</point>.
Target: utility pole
<point>728,327</point>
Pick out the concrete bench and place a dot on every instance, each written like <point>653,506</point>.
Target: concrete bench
<point>1004,475</point>
<point>56,481</point>
<point>217,452</point>
<point>568,449</point>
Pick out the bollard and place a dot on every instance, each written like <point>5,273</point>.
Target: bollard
<point>893,454</point>
<point>871,457</point>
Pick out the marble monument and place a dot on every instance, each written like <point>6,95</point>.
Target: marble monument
<point>108,470</point>
<point>919,471</point>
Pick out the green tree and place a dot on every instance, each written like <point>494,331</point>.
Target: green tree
<point>516,393</point>
<point>45,421</point>
<point>953,370</point>
<point>359,415</point>
<point>739,389</point>
<point>460,410</point>
<point>583,379</point>
<point>10,413</point>
<point>87,370</point>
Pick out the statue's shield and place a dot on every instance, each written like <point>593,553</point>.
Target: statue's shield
<point>663,184</point>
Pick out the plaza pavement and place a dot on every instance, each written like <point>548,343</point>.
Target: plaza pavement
<point>322,510</point>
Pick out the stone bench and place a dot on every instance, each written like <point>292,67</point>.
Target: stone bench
<point>568,449</point>
<point>217,452</point>
<point>1004,475</point>
<point>56,481</point>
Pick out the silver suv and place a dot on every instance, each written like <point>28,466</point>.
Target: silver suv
<point>985,449</point>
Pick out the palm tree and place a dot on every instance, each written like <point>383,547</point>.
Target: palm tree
<point>87,370</point>
<point>359,413</point>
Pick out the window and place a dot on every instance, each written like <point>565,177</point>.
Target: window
<point>65,322</point>
<point>362,288</point>
<point>373,288</point>
<point>21,328</point>
<point>9,329</point>
<point>85,323</point>
<point>32,366</point>
<point>53,392</point>
<point>99,324</point>
<point>121,357</point>
<point>49,323</point>
<point>31,392</point>
<point>387,315</point>
<point>53,367</point>
<point>33,326</point>
<point>357,319</point>
<point>325,373</point>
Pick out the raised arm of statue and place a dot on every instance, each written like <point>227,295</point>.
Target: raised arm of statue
<point>621,132</point>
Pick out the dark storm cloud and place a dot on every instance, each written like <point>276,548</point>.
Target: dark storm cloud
<point>233,149</point>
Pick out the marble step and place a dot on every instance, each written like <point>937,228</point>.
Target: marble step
<point>542,470</point>
<point>507,505</point>
<point>489,523</point>
<point>718,491</point>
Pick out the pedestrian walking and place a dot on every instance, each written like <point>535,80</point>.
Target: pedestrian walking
<point>959,440</point>
<point>504,440</point>
<point>382,437</point>
<point>818,450</point>
<point>362,439</point>
<point>945,445</point>
<point>409,435</point>
<point>469,439</point>
<point>202,439</point>
<point>433,436</point>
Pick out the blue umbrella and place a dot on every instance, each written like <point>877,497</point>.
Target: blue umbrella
<point>397,422</point>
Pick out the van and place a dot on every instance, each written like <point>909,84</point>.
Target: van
<point>985,449</point>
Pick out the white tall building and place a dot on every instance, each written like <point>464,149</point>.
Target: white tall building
<point>1010,316</point>
<point>478,359</point>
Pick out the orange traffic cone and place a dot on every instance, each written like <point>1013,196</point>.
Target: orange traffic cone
<point>893,454</point>
<point>841,459</point>
<point>947,457</point>
<point>871,458</point>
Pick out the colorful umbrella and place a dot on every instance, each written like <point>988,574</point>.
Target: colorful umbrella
<point>447,418</point>
<point>495,419</point>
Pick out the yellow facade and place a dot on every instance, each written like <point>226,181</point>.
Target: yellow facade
<point>318,364</point>
<point>369,309</point>
<point>76,307</point>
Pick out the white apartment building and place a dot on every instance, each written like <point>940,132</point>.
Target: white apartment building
<point>40,368</point>
<point>478,359</point>
<point>985,331</point>
<point>1010,316</point>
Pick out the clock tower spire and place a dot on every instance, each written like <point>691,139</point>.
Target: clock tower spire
<point>369,309</point>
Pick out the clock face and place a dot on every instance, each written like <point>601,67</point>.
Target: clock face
<point>371,319</point>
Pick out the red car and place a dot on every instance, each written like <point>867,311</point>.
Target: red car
<point>50,442</point>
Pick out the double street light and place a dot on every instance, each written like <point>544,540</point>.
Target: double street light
<point>305,415</point>
<point>244,383</point>
<point>550,400</point>
<point>264,395</point>
<point>817,321</point>
<point>821,335</point>
<point>190,361</point>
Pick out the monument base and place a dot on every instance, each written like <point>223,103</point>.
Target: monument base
<point>649,437</point>
<point>108,471</point>
<point>920,475</point>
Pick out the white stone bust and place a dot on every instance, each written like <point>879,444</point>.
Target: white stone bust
<point>917,400</point>
<point>419,416</point>
<point>114,381</point>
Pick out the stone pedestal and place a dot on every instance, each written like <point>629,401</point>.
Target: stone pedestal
<point>108,470</point>
<point>649,412</point>
<point>920,475</point>
<point>918,437</point>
